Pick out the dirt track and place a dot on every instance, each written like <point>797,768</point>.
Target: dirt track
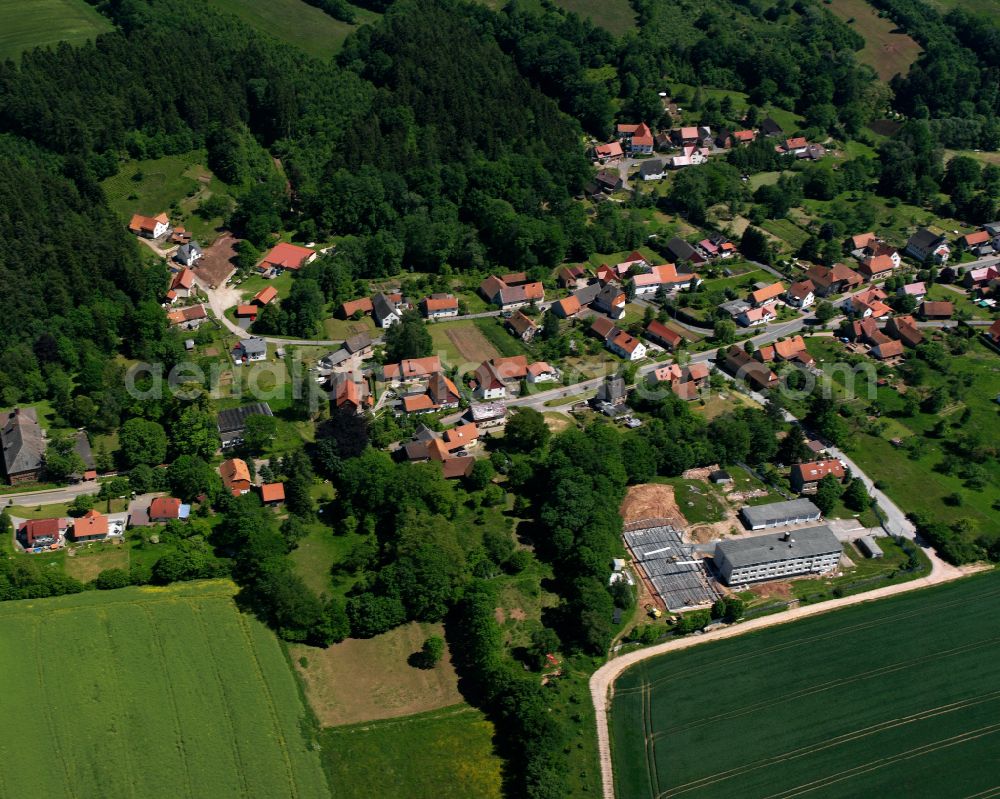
<point>602,681</point>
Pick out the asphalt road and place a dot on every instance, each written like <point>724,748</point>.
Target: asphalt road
<point>51,496</point>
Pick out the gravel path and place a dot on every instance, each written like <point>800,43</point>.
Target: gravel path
<point>602,680</point>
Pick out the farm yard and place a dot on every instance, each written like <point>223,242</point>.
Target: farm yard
<point>153,692</point>
<point>789,711</point>
<point>44,23</point>
<point>887,50</point>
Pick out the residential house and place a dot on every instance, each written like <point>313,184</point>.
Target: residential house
<point>982,278</point>
<point>606,181</point>
<point>265,296</point>
<point>232,421</point>
<point>566,308</point>
<point>509,297</point>
<point>439,306</point>
<point>23,446</point>
<point>796,145</point>
<point>181,286</point>
<point>993,334</point>
<point>837,279</point>
<point>189,318</point>
<point>37,533</point>
<point>867,331</point>
<point>360,344</point>
<point>489,383</point>
<point>974,242</point>
<point>189,254</point>
<point>734,307</point>
<point>149,227</point>
<point>272,493</point>
<point>286,256</point>
<point>925,245</point>
<point>521,326</point>
<point>628,347</point>
<point>686,136</point>
<point>441,394</point>
<point>754,317</point>
<point>605,274</point>
<point>904,328</point>
<point>236,476</point>
<point>653,169</point>
<point>801,294</point>
<point>608,153</point>
<point>411,369</point>
<point>637,139</point>
<point>348,390</point>
<point>770,128</point>
<point>250,350</point>
<point>611,300</point>
<point>603,328</point>
<point>812,152</point>
<point>738,363</point>
<point>92,526</point>
<point>689,156</point>
<point>353,307</point>
<point>744,136</point>
<point>611,392</point>
<point>386,311</point>
<point>887,350</point>
<point>178,235</point>
<point>541,372</point>
<point>915,290</point>
<point>572,277</point>
<point>708,248</point>
<point>247,311</point>
<point>665,277</point>
<point>659,333</point>
<point>869,303</point>
<point>877,259</point>
<point>487,415</point>
<point>166,509</point>
<point>766,294</point>
<point>682,252</point>
<point>860,241</point>
<point>792,348</point>
<point>936,310</point>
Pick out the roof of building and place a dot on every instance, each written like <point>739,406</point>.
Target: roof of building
<point>680,249</point>
<point>610,150</point>
<point>253,346</point>
<point>164,508</point>
<point>189,314</point>
<point>413,403</point>
<point>183,279</point>
<point>354,344</point>
<point>603,327</point>
<point>234,470</point>
<point>588,293</point>
<point>147,224</point>
<point>773,547</point>
<point>540,368</point>
<point>382,307</point>
<point>513,368</point>
<point>288,256</point>
<point>625,342</point>
<point>462,435</point>
<point>658,330</point>
<point>351,307</point>
<point>91,523</point>
<point>817,470</point>
<point>652,167</point>
<point>887,349</point>
<point>521,323</point>
<point>789,347</point>
<point>569,305</point>
<point>779,512</point>
<point>439,302</point>
<point>744,135</point>
<point>22,441</point>
<point>801,289</point>
<point>265,295</point>
<point>768,292</point>
<point>923,239</point>
<point>272,492</point>
<point>412,368</point>
<point>906,330</point>
<point>979,237</point>
<point>697,370</point>
<point>34,529</point>
<point>234,419</point>
<point>933,308</point>
<point>457,467</point>
<point>914,289</point>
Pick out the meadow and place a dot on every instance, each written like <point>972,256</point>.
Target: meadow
<point>296,23</point>
<point>44,23</point>
<point>153,692</point>
<point>881,699</point>
<point>887,50</point>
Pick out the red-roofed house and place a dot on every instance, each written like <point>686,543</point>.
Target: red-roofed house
<point>905,329</point>
<point>265,296</point>
<point>663,335</point>
<point>972,240</point>
<point>236,476</point>
<point>805,477</point>
<point>164,509</point>
<point>755,317</point>
<point>541,372</point>
<point>605,153</point>
<point>287,256</point>
<point>638,139</point>
<point>887,350</point>
<point>744,136</point>
<point>663,276</point>
<point>411,369</point>
<point>766,294</point>
<point>833,280</point>
<point>522,326</point>
<point>92,526</point>
<point>566,308</point>
<point>572,277</point>
<point>993,334</point>
<point>272,493</point>
<point>801,294</point>
<point>796,145</point>
<point>628,347</point>
<point>439,306</point>
<point>39,533</point>
<point>861,240</point>
<point>149,227</point>
<point>936,310</point>
<point>181,285</point>
<point>247,312</point>
<point>351,307</point>
<point>979,279</point>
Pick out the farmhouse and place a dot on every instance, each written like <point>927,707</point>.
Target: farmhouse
<point>286,256</point>
<point>572,277</point>
<point>603,328</point>
<point>606,153</point>
<point>682,252</point>
<point>441,394</point>
<point>915,290</point>
<point>904,328</point>
<point>149,227</point>
<point>690,156</point>
<point>779,514</point>
<point>486,415</point>
<point>232,421</point>
<point>975,241</point>
<point>814,550</point>
<point>936,310</point>
<point>385,310</point>
<point>833,280</point>
<point>652,170</point>
<point>887,350</point>
<point>665,277</point>
<point>805,477</point>
<point>738,363</point>
<point>637,139</point>
<point>980,279</point>
<point>349,391</point>
<point>744,136</point>
<point>359,306</point>
<point>770,128</point>
<point>23,446</point>
<point>508,296</point>
<point>39,533</point>
<point>924,245</point>
<point>189,318</point>
<point>566,308</point>
<point>92,526</point>
<point>360,345</point>
<point>188,254</point>
<point>659,333</point>
<point>522,326</point>
<point>411,369</point>
<point>236,476</point>
<point>869,303</point>
<point>247,311</point>
<point>439,306</point>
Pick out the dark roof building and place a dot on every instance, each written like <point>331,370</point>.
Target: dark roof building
<point>778,514</point>
<point>768,557</point>
<point>23,445</point>
<point>232,421</point>
<point>681,251</point>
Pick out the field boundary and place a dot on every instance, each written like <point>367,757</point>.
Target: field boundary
<point>602,681</point>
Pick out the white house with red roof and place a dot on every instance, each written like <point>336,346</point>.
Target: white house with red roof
<point>149,227</point>
<point>637,139</point>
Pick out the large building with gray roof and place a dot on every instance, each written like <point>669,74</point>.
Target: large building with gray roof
<point>774,556</point>
<point>779,514</point>
<point>23,446</point>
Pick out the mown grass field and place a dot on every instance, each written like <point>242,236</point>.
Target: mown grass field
<point>295,22</point>
<point>447,753</point>
<point>898,697</point>
<point>44,23</point>
<point>616,16</point>
<point>887,50</point>
<point>152,692</point>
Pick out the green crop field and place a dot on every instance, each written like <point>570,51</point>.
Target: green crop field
<point>151,692</point>
<point>43,23</point>
<point>446,753</point>
<point>296,22</point>
<point>891,698</point>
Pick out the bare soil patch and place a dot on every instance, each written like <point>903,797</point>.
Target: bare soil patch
<point>778,589</point>
<point>471,343</point>
<point>363,680</point>
<point>217,263</point>
<point>649,501</point>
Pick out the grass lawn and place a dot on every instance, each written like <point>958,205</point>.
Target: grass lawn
<point>89,560</point>
<point>570,400</point>
<point>43,23</point>
<point>696,499</point>
<point>963,304</point>
<point>716,403</point>
<point>282,283</point>
<point>887,50</point>
<point>61,509</point>
<point>296,22</point>
<point>786,230</point>
<point>317,553</point>
<point>151,186</point>
<point>616,16</point>
<point>205,689</point>
<point>362,680</point>
<point>445,753</point>
<point>496,334</point>
<point>824,706</point>
<point>337,329</point>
